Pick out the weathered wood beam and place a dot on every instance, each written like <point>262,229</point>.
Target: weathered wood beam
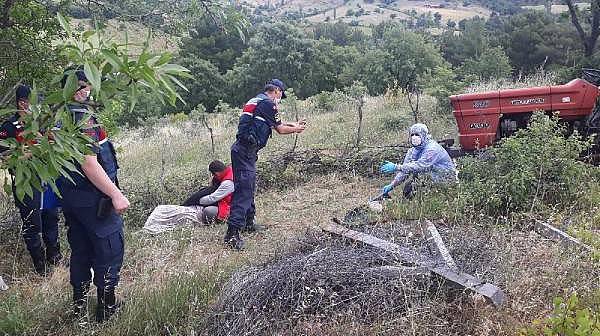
<point>3,285</point>
<point>556,234</point>
<point>395,271</point>
<point>492,293</point>
<point>437,246</point>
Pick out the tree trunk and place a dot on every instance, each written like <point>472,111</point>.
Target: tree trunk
<point>588,41</point>
<point>210,132</point>
<point>296,134</point>
<point>414,103</point>
<point>360,119</point>
<point>548,6</point>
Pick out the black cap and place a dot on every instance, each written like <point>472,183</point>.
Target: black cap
<point>78,72</point>
<point>22,92</point>
<point>81,76</point>
<point>278,83</point>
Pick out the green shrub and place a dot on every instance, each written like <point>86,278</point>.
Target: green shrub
<point>232,114</point>
<point>538,166</point>
<point>13,318</point>
<point>327,101</point>
<point>178,118</point>
<point>109,117</point>
<point>569,318</point>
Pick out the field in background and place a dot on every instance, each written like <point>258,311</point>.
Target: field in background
<point>558,9</point>
<point>374,13</point>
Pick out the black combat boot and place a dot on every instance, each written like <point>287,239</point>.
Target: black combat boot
<point>232,238</point>
<point>80,300</point>
<point>251,226</point>
<point>53,255</point>
<point>39,262</point>
<point>107,304</point>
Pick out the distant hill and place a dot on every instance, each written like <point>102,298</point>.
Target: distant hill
<point>367,12</point>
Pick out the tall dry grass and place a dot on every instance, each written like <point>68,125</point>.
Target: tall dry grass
<point>168,280</point>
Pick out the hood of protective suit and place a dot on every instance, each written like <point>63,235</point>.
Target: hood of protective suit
<point>422,131</point>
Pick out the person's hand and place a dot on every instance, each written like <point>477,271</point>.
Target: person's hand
<point>388,167</point>
<point>120,203</point>
<point>386,190</point>
<point>302,121</point>
<point>300,127</point>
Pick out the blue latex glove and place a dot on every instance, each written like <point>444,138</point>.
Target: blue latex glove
<point>386,190</point>
<point>388,167</point>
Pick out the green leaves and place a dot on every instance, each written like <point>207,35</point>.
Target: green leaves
<point>93,75</point>
<point>569,318</point>
<point>63,23</point>
<point>536,168</point>
<point>113,59</point>
<point>71,86</point>
<point>52,144</point>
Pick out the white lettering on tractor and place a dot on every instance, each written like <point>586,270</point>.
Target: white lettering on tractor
<point>481,104</point>
<point>479,125</point>
<point>527,101</point>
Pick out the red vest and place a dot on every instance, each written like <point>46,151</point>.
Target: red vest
<point>225,203</point>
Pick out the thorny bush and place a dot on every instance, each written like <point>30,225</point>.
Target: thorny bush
<point>539,166</point>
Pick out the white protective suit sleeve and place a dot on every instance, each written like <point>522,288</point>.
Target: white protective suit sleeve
<point>423,164</point>
<point>401,176</point>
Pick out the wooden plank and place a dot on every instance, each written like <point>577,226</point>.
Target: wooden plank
<point>395,271</point>
<point>3,285</point>
<point>492,293</point>
<point>437,246</point>
<point>556,234</point>
<point>407,254</point>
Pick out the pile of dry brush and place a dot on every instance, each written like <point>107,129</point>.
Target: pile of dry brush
<point>323,285</point>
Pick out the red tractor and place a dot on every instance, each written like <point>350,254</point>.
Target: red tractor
<point>483,118</point>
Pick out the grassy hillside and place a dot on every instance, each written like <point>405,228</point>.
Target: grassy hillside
<point>133,33</point>
<point>172,282</point>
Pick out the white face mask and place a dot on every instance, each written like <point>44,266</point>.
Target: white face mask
<point>415,140</point>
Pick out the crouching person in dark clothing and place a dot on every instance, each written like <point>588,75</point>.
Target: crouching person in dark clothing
<point>92,207</point>
<point>38,217</point>
<point>206,206</point>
